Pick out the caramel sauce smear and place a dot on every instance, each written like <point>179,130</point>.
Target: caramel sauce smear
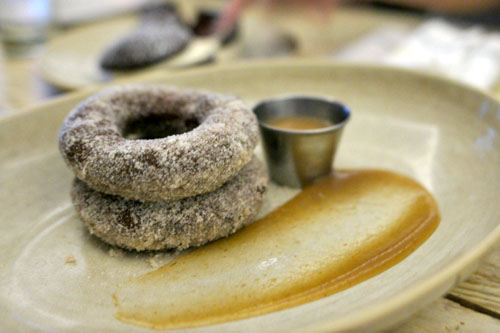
<point>331,236</point>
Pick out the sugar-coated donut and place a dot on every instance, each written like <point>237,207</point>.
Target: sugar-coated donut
<point>177,224</point>
<point>159,36</point>
<point>188,142</point>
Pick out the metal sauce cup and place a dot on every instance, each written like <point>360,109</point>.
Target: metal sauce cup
<point>298,157</point>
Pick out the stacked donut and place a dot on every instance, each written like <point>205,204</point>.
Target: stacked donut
<point>159,167</point>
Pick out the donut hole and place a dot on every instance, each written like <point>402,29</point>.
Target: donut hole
<point>156,126</point>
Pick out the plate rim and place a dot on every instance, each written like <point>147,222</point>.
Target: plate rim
<point>370,313</point>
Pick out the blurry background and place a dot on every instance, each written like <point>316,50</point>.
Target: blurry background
<point>51,47</point>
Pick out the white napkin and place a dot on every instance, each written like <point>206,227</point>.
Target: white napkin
<point>470,55</point>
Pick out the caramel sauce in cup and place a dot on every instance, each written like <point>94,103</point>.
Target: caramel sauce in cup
<point>299,123</point>
<point>300,135</point>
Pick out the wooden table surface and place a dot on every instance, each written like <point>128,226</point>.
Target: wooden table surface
<point>472,306</point>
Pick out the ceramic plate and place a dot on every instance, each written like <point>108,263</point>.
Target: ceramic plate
<point>54,276</point>
<point>71,59</point>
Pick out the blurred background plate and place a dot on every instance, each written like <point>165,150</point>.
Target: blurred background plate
<point>55,276</point>
<point>71,59</point>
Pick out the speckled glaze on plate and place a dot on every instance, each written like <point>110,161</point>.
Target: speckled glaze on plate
<point>54,276</point>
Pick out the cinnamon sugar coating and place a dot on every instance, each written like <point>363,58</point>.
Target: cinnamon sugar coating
<point>159,36</point>
<point>210,138</point>
<point>179,224</point>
